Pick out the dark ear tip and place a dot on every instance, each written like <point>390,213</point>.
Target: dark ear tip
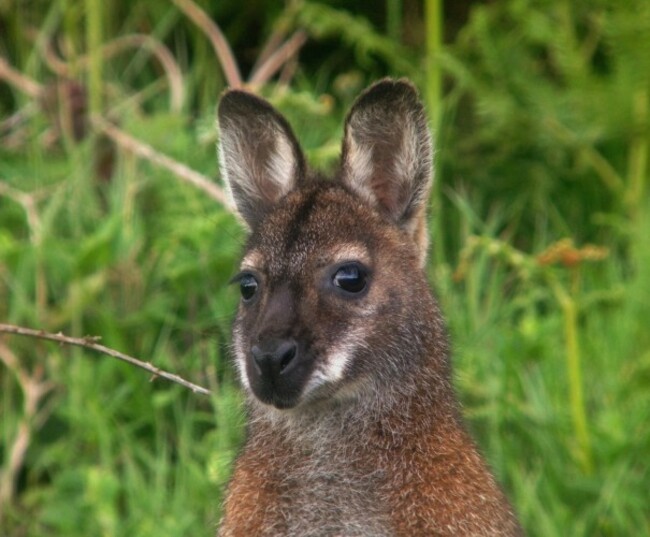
<point>395,83</point>
<point>390,89</point>
<point>238,101</point>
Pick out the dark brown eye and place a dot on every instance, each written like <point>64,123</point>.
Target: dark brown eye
<point>350,278</point>
<point>248,286</point>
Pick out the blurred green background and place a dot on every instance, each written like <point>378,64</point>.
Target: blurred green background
<point>540,242</point>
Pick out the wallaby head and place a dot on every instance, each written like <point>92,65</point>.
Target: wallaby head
<point>334,299</point>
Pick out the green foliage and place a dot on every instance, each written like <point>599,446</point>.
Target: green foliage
<point>324,22</point>
<point>148,272</point>
<point>543,141</point>
<point>555,99</point>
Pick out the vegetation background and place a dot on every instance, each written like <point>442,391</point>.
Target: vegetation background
<point>540,223</point>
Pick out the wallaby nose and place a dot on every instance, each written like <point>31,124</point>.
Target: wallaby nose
<point>275,356</point>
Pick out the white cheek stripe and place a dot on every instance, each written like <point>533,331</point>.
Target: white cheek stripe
<point>240,360</point>
<point>333,366</point>
<point>333,369</point>
<point>337,363</point>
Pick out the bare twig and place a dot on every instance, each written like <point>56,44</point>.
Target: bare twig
<point>139,41</point>
<point>128,142</point>
<point>276,60</point>
<point>90,342</point>
<point>603,168</point>
<point>143,150</point>
<point>17,118</point>
<point>34,389</point>
<point>272,58</point>
<point>28,203</point>
<point>288,71</point>
<point>19,80</point>
<point>273,42</point>
<point>217,39</point>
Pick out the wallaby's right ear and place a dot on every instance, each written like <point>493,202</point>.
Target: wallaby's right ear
<point>259,156</point>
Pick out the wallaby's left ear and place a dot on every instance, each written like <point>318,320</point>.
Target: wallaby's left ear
<point>259,156</point>
<point>387,155</point>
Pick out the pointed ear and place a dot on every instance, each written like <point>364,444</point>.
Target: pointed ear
<point>259,156</point>
<point>387,155</point>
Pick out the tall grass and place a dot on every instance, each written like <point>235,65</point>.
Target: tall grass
<point>542,139</point>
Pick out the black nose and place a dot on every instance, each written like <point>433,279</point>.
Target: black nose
<point>274,357</point>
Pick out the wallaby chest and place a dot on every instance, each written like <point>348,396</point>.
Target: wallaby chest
<point>315,485</point>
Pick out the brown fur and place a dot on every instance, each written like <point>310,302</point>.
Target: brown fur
<point>354,428</point>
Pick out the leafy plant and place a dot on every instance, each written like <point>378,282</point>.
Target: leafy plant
<point>542,136</point>
<point>551,100</point>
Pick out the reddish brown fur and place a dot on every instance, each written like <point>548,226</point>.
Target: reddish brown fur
<point>367,438</point>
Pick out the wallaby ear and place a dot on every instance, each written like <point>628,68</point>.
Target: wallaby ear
<point>259,156</point>
<point>387,155</point>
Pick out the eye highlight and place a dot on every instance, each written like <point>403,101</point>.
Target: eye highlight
<point>351,278</point>
<point>248,286</point>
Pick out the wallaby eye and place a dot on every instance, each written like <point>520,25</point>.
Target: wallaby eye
<point>351,278</point>
<point>248,286</point>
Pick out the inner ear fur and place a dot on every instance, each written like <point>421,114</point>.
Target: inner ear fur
<point>260,158</point>
<point>387,155</point>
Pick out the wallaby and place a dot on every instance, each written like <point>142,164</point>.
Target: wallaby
<point>354,428</point>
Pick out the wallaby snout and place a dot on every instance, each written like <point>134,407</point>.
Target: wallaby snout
<point>354,428</point>
<point>274,358</point>
<point>277,372</point>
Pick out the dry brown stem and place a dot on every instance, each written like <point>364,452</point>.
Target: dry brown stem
<point>28,201</point>
<point>273,56</point>
<point>183,172</point>
<point>19,80</point>
<point>120,44</point>
<point>34,388</point>
<point>125,140</point>
<point>219,43</point>
<point>278,58</point>
<point>90,342</point>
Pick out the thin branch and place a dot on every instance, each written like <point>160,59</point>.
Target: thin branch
<point>128,142</point>
<point>276,60</point>
<point>143,150</point>
<point>138,41</point>
<point>20,81</point>
<point>217,39</point>
<point>34,389</point>
<point>272,44</point>
<point>288,71</point>
<point>608,175</point>
<point>28,203</point>
<point>17,118</point>
<point>90,342</point>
